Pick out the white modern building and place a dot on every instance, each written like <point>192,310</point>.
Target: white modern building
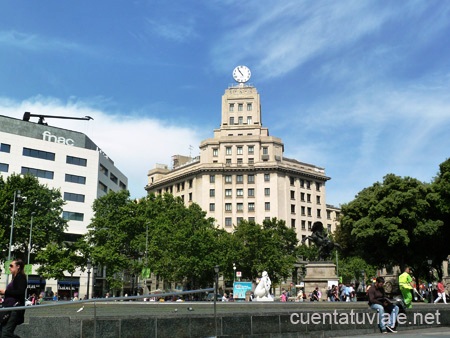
<point>63,159</point>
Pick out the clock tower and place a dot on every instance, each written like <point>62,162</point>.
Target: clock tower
<point>241,172</point>
<point>241,109</point>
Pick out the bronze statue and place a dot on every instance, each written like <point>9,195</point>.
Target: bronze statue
<point>320,238</point>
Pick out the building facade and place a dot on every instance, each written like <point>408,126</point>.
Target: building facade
<point>66,160</point>
<point>241,173</point>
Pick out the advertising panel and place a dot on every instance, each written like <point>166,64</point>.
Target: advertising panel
<point>240,288</point>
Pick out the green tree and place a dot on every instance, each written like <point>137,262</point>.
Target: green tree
<point>113,236</point>
<point>184,245</point>
<point>390,223</point>
<point>269,247</point>
<point>354,269</point>
<point>440,206</point>
<point>308,252</point>
<point>65,257</point>
<point>37,200</point>
<point>177,243</point>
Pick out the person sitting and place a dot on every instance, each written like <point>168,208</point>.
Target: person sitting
<point>315,295</point>
<point>224,298</point>
<point>335,292</point>
<point>379,302</point>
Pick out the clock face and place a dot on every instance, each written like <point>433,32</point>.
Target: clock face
<point>241,74</point>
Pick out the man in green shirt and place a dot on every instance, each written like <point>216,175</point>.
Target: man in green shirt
<point>406,285</point>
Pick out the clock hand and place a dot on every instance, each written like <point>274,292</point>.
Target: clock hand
<point>240,71</point>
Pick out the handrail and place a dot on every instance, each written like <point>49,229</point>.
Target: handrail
<point>111,299</point>
<point>103,300</point>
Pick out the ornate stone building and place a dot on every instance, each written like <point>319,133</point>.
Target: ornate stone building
<point>241,173</point>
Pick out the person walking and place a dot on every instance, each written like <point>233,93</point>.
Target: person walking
<point>342,292</point>
<point>14,296</point>
<point>406,285</point>
<point>441,292</point>
<point>330,293</point>
<point>315,295</point>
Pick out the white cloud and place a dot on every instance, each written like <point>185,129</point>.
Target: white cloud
<point>135,143</point>
<point>168,30</point>
<point>39,43</point>
<point>374,131</point>
<point>280,37</point>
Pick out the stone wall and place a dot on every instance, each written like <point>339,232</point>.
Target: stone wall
<point>286,324</point>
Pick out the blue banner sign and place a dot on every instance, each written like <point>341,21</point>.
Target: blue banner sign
<point>240,288</point>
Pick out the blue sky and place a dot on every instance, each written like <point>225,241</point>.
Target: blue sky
<point>361,88</point>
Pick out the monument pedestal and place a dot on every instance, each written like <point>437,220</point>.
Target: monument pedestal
<point>320,274</point>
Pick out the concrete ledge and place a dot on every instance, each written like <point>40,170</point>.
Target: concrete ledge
<point>249,320</point>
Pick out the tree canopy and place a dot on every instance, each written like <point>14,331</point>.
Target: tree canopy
<point>440,207</point>
<point>183,245</point>
<point>399,221</point>
<point>34,200</point>
<point>268,247</point>
<point>353,268</point>
<point>177,243</point>
<point>180,244</point>
<point>391,223</point>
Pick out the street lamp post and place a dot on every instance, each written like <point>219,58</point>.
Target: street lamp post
<point>29,239</point>
<point>337,264</point>
<point>16,195</point>
<point>234,273</point>
<point>146,261</point>
<point>94,279</point>
<point>216,272</point>
<point>362,282</point>
<point>430,296</point>
<point>89,266</point>
<point>146,243</point>
<point>71,291</point>
<point>29,246</point>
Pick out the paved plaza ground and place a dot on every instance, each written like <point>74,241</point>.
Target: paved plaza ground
<point>418,333</point>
